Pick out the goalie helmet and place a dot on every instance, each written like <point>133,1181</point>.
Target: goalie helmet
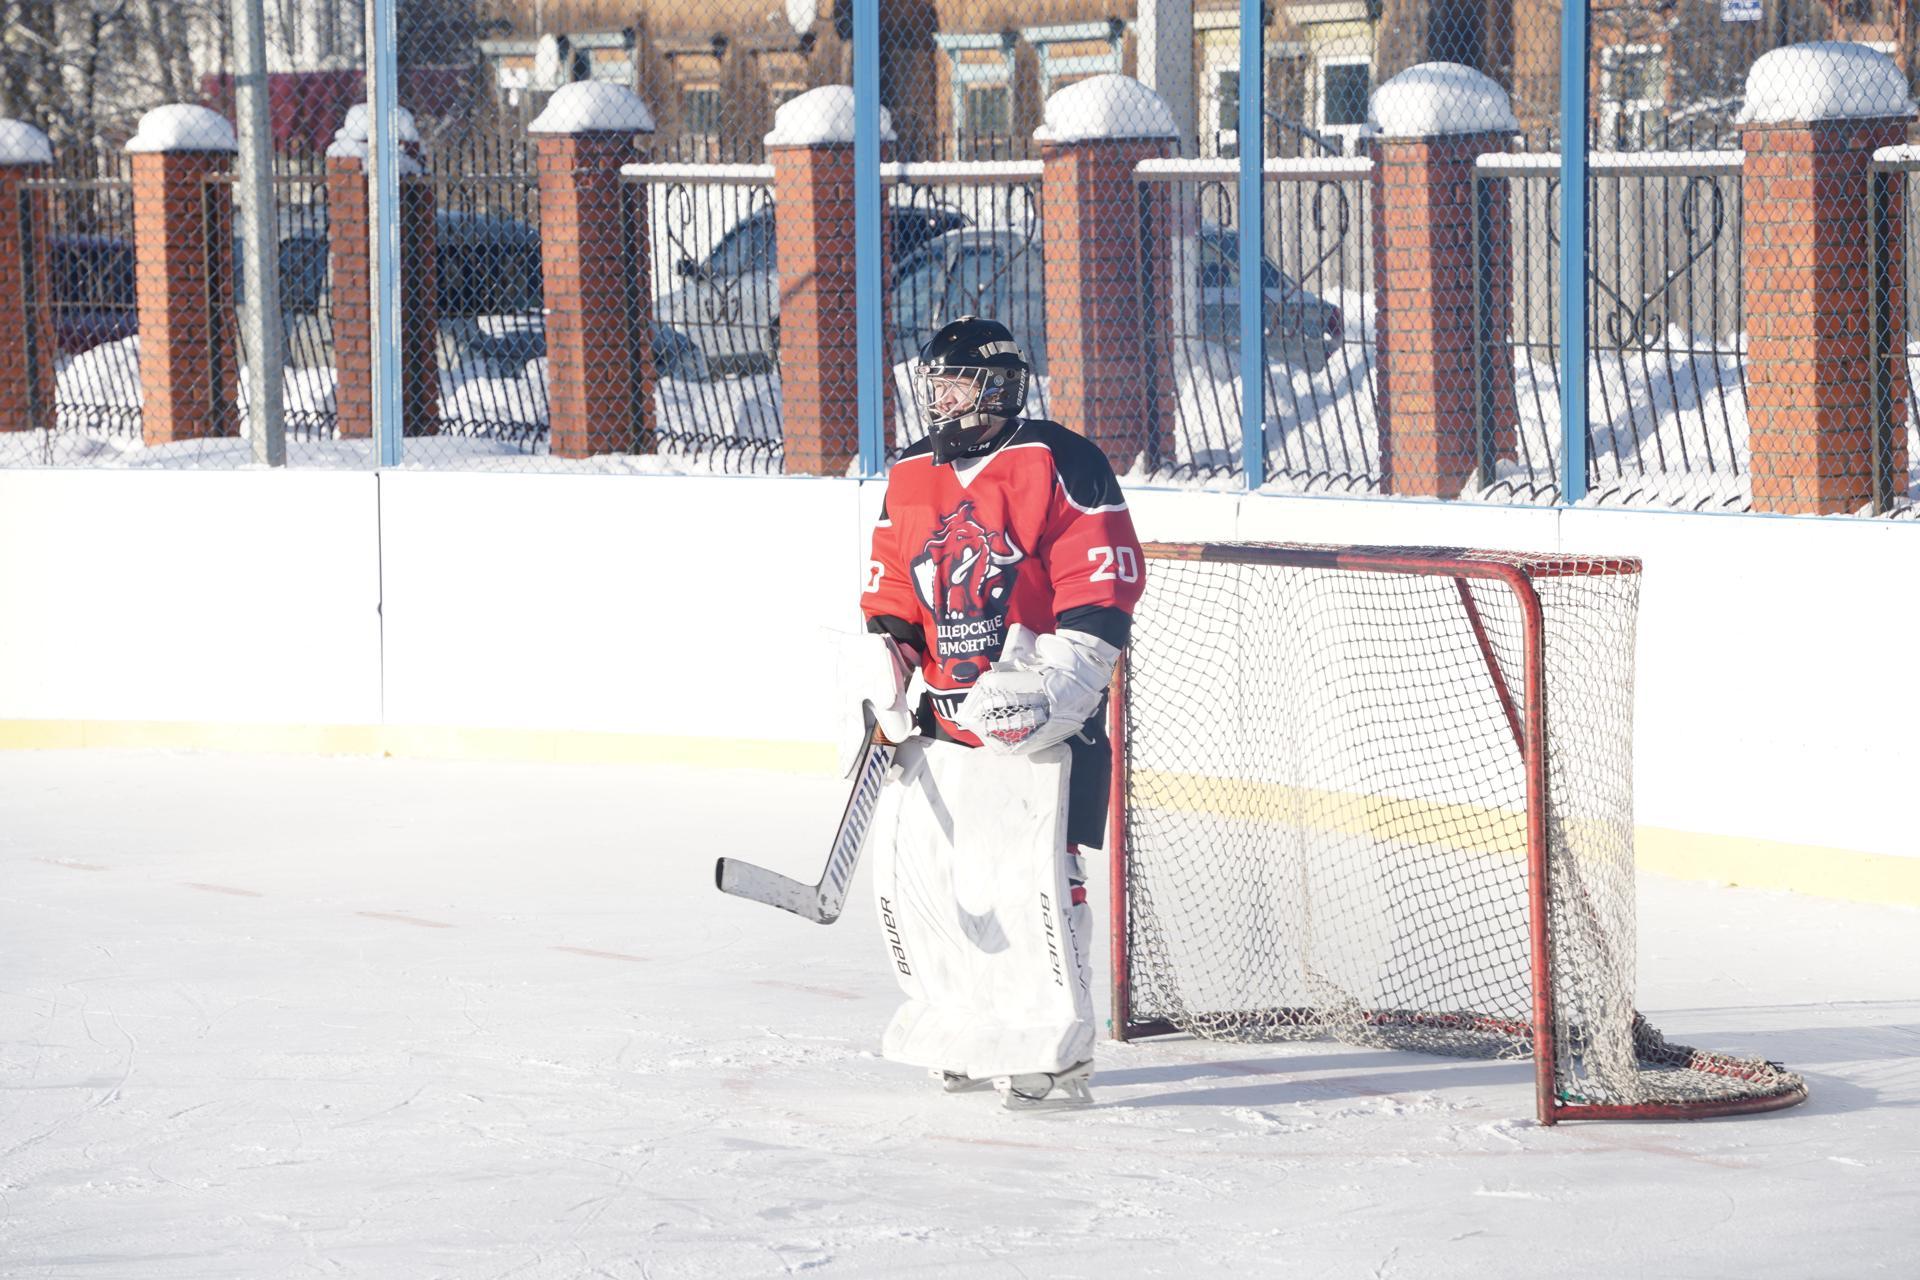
<point>972,381</point>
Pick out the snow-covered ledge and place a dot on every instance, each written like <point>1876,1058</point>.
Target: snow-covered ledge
<point>1824,80</point>
<point>352,140</point>
<point>1106,107</point>
<point>1440,99</point>
<point>21,143</point>
<point>183,127</point>
<point>594,106</point>
<point>821,117</point>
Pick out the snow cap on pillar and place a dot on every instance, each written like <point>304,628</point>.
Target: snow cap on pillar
<point>594,106</point>
<point>21,143</point>
<point>1438,99</point>
<point>1824,80</point>
<point>351,140</point>
<point>183,127</point>
<point>1109,106</point>
<point>821,117</point>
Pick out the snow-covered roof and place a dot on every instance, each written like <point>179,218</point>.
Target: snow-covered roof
<point>183,127</point>
<point>1824,80</point>
<point>21,143</point>
<point>594,106</point>
<point>1106,106</point>
<point>820,117</point>
<point>1435,99</point>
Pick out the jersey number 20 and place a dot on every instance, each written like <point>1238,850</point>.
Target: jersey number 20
<point>1115,562</point>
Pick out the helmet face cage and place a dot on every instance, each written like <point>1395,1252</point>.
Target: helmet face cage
<point>961,425</point>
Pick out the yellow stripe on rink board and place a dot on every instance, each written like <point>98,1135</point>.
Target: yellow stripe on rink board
<point>417,742</point>
<point>1739,860</point>
<point>1762,864</point>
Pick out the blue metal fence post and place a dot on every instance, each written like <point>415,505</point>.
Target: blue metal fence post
<point>1253,150</point>
<point>1573,250</point>
<point>866,232</point>
<point>383,39</point>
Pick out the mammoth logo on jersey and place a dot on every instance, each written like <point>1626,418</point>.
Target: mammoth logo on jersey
<point>965,576</point>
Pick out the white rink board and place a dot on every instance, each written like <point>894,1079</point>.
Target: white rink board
<point>240,597</point>
<point>682,606</point>
<point>1770,686</point>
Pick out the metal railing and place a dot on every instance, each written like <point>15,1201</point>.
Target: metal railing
<point>1666,366</point>
<point>1320,428</point>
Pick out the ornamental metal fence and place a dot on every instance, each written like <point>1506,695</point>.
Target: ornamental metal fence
<point>642,243</point>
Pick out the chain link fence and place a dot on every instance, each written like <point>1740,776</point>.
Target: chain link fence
<point>627,239</point>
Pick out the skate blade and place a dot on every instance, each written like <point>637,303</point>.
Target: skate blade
<point>1065,1090</point>
<point>1064,1098</point>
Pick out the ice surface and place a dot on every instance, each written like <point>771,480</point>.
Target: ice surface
<point>819,117</point>
<point>399,1018</point>
<point>1824,80</point>
<point>1438,98</point>
<point>21,143</point>
<point>1106,106</point>
<point>594,106</point>
<point>183,127</point>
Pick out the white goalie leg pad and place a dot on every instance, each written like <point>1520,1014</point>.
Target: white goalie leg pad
<point>970,883</point>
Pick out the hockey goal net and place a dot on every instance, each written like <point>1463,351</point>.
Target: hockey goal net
<point>1384,795</point>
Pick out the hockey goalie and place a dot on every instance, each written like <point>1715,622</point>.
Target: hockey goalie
<point>998,597</point>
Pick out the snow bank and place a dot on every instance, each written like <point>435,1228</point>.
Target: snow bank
<point>21,143</point>
<point>182,127</point>
<point>820,117</point>
<point>1106,106</point>
<point>351,140</point>
<point>1824,80</point>
<point>594,106</point>
<point>1436,99</point>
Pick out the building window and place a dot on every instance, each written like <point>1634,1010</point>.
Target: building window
<point>780,95</point>
<point>987,130</point>
<point>700,122</point>
<point>1226,122</point>
<point>1344,89</point>
<point>1633,94</point>
<point>981,96</point>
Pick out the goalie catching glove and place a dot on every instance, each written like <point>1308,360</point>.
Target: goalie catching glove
<point>1042,691</point>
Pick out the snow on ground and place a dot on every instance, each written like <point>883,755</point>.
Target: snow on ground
<point>288,1016</point>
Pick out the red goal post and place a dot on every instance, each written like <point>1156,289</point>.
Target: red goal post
<point>1383,795</point>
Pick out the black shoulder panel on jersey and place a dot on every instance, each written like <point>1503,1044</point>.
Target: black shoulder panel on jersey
<point>921,448</point>
<point>1103,620</point>
<point>903,632</point>
<point>1084,471</point>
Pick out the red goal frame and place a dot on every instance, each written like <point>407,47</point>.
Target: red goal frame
<point>1528,722</point>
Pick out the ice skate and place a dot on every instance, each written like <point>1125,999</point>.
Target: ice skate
<point>960,1082</point>
<point>1047,1090</point>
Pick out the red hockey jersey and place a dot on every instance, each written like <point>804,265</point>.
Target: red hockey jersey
<point>1035,530</point>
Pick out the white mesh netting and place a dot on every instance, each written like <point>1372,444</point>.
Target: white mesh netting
<point>1327,822</point>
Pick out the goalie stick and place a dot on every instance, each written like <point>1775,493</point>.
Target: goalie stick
<point>820,903</point>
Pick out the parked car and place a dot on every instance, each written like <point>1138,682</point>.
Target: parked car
<point>729,301</point>
<point>1001,274</point>
<point>487,295</point>
<point>972,272</point>
<point>1302,329</point>
<point>92,291</point>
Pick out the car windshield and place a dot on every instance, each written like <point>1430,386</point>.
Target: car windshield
<point>751,246</point>
<point>1220,264</point>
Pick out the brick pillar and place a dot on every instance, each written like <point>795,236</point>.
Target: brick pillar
<point>594,252</point>
<point>183,268</point>
<point>27,342</point>
<point>811,147</point>
<point>1809,221</point>
<point>351,297</point>
<point>1436,121</point>
<point>1105,379</point>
